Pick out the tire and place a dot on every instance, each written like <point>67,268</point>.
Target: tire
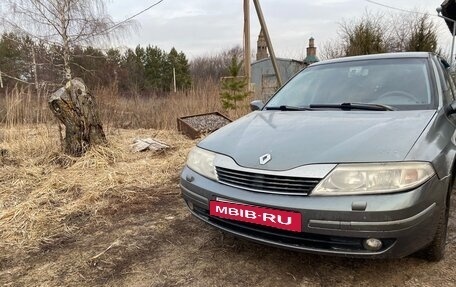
<point>435,251</point>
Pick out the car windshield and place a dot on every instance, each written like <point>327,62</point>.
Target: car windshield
<point>400,83</point>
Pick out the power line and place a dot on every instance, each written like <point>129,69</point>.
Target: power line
<point>136,15</point>
<point>94,35</point>
<point>128,19</point>
<point>399,9</point>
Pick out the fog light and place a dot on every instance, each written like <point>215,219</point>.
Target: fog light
<point>190,205</point>
<point>372,244</point>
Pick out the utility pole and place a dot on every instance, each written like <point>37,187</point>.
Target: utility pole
<point>247,49</point>
<point>174,80</point>
<point>268,41</point>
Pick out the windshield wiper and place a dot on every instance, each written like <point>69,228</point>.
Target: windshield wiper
<point>288,108</point>
<point>353,106</point>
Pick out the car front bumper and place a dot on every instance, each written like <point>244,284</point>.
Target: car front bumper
<point>405,222</point>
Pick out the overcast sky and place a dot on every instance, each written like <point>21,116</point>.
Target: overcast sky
<point>201,27</point>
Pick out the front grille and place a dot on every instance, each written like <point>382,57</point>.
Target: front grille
<point>266,183</point>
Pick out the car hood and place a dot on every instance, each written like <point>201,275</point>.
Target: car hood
<point>296,138</point>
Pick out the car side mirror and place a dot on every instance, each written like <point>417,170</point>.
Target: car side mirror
<point>258,105</point>
<point>445,64</point>
<point>451,108</point>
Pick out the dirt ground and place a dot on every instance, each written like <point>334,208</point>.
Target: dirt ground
<point>157,243</point>
<point>151,239</point>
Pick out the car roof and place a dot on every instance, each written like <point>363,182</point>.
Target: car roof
<point>376,57</point>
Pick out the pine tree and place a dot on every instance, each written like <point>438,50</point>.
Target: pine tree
<point>11,57</point>
<point>168,65</point>
<point>184,79</point>
<point>233,87</point>
<point>154,65</point>
<point>134,76</point>
<point>177,61</point>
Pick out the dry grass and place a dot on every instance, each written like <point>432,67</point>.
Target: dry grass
<point>44,193</point>
<point>23,106</point>
<point>68,221</point>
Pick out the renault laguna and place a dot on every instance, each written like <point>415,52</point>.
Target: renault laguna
<point>352,157</point>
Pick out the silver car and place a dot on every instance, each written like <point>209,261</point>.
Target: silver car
<point>353,157</point>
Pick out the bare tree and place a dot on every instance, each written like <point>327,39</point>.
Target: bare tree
<point>368,35</point>
<point>332,49</point>
<point>399,29</point>
<point>213,67</point>
<point>65,24</point>
<point>378,33</point>
<point>423,36</point>
<point>412,32</point>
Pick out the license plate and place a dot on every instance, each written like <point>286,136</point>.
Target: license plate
<point>276,218</point>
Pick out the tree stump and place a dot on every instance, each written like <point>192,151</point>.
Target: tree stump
<point>76,108</point>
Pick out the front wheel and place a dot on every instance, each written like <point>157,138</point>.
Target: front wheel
<point>435,251</point>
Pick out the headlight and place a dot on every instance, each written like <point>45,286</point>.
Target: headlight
<point>202,162</point>
<point>374,178</point>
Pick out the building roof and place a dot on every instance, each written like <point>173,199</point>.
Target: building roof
<point>311,59</point>
<point>278,59</point>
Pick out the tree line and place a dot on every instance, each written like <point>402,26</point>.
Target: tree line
<point>149,69</point>
<point>139,70</point>
<point>380,33</point>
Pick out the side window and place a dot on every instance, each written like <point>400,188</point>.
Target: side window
<point>451,82</point>
<point>446,82</point>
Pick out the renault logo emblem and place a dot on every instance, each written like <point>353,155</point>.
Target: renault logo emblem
<point>264,159</point>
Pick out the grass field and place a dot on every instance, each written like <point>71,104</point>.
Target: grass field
<point>50,201</point>
<point>21,106</point>
<point>47,199</point>
<point>43,188</point>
